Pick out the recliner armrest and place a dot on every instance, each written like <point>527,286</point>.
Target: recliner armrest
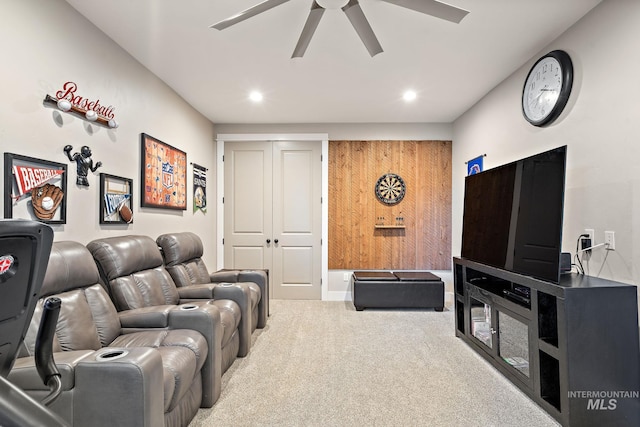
<point>259,277</point>
<point>146,317</point>
<point>103,376</point>
<point>240,294</point>
<point>196,292</point>
<point>224,276</point>
<point>129,387</point>
<point>236,292</point>
<point>25,375</point>
<point>199,316</point>
<point>205,318</point>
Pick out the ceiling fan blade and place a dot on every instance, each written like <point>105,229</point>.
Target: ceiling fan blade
<point>309,28</point>
<point>248,13</point>
<point>362,27</point>
<point>433,8</point>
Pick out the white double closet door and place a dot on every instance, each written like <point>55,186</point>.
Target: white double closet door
<point>272,213</point>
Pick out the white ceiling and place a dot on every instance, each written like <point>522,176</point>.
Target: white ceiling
<point>450,66</point>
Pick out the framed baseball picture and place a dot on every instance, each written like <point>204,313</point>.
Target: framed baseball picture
<point>35,189</point>
<point>163,175</point>
<point>116,199</point>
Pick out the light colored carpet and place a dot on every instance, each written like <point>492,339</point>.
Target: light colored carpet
<point>324,364</point>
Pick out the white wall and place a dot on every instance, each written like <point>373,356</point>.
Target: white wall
<point>351,131</point>
<point>45,43</point>
<point>601,126</point>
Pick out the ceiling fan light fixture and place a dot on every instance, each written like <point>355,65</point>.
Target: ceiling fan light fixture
<point>332,4</point>
<point>354,13</point>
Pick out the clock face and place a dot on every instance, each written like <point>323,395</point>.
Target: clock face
<point>390,189</point>
<point>546,90</point>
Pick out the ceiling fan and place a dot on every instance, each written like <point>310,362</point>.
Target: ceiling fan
<point>354,13</point>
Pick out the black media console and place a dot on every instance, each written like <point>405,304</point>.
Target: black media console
<point>572,347</point>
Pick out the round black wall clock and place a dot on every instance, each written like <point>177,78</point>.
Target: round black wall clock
<point>390,189</point>
<point>547,88</point>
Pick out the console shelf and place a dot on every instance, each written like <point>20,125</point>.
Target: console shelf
<point>566,345</point>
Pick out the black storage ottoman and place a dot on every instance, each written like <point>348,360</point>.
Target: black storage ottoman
<point>400,289</point>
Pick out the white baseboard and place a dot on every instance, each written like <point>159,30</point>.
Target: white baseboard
<point>338,296</point>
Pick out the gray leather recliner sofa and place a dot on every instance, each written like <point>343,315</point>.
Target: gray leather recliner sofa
<point>132,268</point>
<point>111,376</point>
<point>183,252</point>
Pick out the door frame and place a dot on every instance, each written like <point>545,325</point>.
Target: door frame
<point>322,138</point>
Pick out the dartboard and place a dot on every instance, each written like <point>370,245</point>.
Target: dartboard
<point>390,189</point>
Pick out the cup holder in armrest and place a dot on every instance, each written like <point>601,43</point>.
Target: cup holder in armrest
<point>111,355</point>
<point>188,307</point>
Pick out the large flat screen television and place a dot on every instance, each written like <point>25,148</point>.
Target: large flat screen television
<point>513,215</point>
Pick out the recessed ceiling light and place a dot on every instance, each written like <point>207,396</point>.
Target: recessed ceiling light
<point>409,95</point>
<point>255,96</point>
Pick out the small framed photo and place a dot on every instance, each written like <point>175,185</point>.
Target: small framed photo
<point>163,175</point>
<point>35,189</point>
<point>116,199</point>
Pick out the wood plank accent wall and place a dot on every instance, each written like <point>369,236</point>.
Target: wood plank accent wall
<point>425,242</point>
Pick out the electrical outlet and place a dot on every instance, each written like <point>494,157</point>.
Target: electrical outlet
<point>587,242</point>
<point>345,277</point>
<point>592,235</point>
<point>610,240</point>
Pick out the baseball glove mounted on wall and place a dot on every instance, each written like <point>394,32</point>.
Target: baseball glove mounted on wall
<point>45,200</point>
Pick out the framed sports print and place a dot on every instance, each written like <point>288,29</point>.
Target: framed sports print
<point>199,188</point>
<point>163,175</point>
<point>35,189</point>
<point>116,199</point>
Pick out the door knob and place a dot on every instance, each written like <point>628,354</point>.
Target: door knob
<point>275,241</point>
<point>268,241</point>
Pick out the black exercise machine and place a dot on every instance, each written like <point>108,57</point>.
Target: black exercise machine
<point>24,253</point>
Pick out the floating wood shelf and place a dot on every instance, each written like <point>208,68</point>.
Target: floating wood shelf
<point>388,226</point>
